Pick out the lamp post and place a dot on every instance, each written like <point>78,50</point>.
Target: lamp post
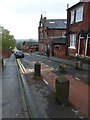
<point>67,29</point>
<point>0,39</point>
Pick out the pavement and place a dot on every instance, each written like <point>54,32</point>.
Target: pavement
<point>12,97</point>
<point>45,97</point>
<point>0,92</point>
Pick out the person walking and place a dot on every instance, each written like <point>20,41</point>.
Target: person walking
<point>48,52</point>
<point>30,51</point>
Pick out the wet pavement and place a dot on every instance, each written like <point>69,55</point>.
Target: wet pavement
<point>12,105</point>
<point>0,92</point>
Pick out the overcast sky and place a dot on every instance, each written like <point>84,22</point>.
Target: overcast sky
<point>21,17</point>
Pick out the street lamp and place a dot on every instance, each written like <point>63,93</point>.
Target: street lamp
<point>67,29</point>
<point>0,38</point>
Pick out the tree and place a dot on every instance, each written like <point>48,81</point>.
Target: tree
<point>8,41</point>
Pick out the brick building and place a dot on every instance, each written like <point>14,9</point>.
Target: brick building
<point>78,29</point>
<point>51,32</point>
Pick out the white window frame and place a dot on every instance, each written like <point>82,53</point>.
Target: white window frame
<point>63,34</point>
<point>79,14</point>
<point>72,17</point>
<point>73,41</point>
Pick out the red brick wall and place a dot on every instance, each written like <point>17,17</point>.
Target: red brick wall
<point>59,52</point>
<point>52,32</point>
<point>6,54</point>
<point>77,27</point>
<point>43,32</point>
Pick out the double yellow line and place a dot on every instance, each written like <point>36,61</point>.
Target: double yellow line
<point>48,69</point>
<point>22,68</point>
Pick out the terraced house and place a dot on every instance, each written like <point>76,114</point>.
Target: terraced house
<point>78,29</point>
<point>52,33</point>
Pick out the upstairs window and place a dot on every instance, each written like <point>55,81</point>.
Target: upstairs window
<point>63,34</point>
<point>73,41</point>
<point>72,17</point>
<point>79,14</point>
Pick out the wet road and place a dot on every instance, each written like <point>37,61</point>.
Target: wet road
<point>79,74</point>
<point>48,68</point>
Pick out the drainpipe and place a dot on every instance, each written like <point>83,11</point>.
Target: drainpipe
<point>86,45</point>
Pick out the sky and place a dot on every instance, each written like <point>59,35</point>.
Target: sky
<point>21,17</point>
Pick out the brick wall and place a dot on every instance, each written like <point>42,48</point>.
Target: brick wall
<point>53,32</point>
<point>83,25</point>
<point>6,54</point>
<point>59,52</point>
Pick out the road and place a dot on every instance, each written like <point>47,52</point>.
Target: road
<point>12,103</point>
<point>49,70</point>
<point>54,66</point>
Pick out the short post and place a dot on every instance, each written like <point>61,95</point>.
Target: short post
<point>62,67</point>
<point>62,90</point>
<point>37,69</point>
<point>2,62</point>
<point>78,65</point>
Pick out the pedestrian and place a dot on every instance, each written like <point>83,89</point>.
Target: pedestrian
<point>31,51</point>
<point>48,52</point>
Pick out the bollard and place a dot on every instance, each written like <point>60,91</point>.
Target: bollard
<point>62,90</point>
<point>2,62</point>
<point>78,65</point>
<point>62,67</point>
<point>37,69</point>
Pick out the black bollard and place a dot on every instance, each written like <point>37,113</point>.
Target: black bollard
<point>37,69</point>
<point>2,62</point>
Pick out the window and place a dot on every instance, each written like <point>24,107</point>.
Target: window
<point>57,46</point>
<point>72,40</point>
<point>79,14</point>
<point>63,34</point>
<point>72,16</point>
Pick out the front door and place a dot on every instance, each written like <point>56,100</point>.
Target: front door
<point>88,47</point>
<point>82,46</point>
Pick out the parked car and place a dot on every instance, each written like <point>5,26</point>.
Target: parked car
<point>19,54</point>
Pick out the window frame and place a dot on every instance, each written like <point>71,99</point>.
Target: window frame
<point>72,17</point>
<point>73,41</point>
<point>79,14</point>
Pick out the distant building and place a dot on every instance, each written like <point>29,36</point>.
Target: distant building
<point>52,33</point>
<point>30,45</point>
<point>79,29</point>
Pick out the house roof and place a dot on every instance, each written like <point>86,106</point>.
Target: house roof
<point>56,23</point>
<point>79,3</point>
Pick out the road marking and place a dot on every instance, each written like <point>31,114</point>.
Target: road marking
<point>48,69</point>
<point>77,78</point>
<point>45,81</point>
<point>49,60</point>
<point>22,68</point>
<point>46,65</point>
